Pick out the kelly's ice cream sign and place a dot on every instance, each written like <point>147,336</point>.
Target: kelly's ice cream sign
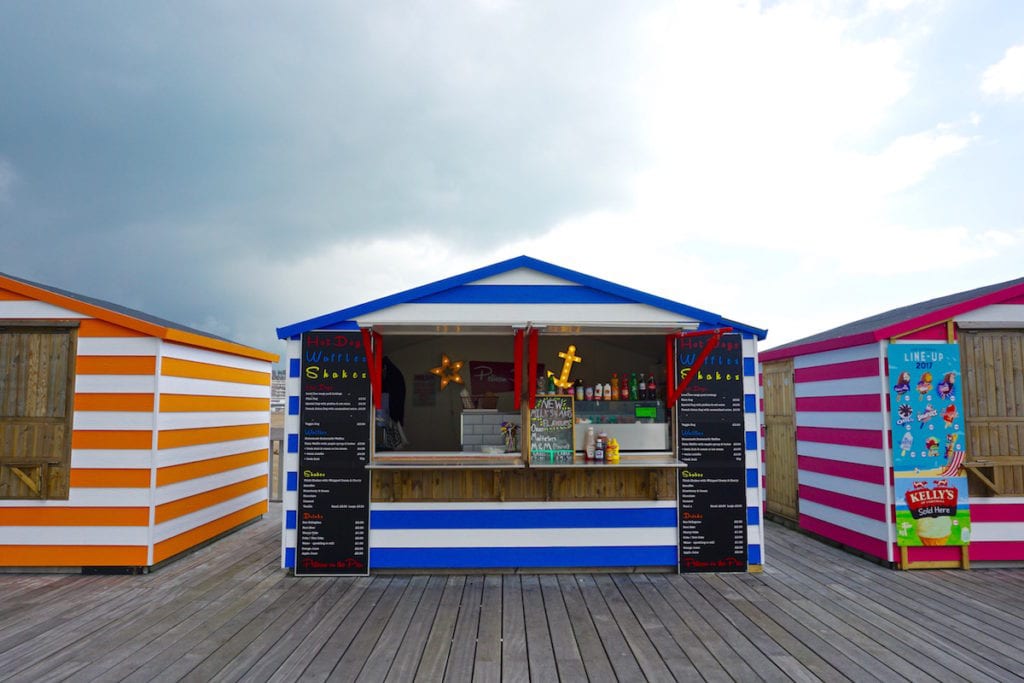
<point>928,438</point>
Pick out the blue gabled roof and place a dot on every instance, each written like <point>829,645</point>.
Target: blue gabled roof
<point>448,290</point>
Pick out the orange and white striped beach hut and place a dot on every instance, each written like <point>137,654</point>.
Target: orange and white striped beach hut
<point>124,439</point>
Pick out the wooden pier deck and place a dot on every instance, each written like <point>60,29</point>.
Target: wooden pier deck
<point>228,613</point>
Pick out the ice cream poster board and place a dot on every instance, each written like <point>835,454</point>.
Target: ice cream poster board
<point>928,436</point>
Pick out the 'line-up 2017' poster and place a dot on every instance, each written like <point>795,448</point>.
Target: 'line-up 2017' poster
<point>928,445</point>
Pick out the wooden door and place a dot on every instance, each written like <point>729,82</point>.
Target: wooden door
<point>781,493</point>
<point>36,408</point>
<point>992,362</point>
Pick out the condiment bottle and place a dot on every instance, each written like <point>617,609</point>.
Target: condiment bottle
<point>615,386</point>
<point>588,444</point>
<point>607,393</point>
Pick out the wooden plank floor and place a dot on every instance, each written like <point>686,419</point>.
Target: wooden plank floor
<point>228,613</point>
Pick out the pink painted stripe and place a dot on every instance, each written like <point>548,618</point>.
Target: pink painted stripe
<point>1018,300</point>
<point>868,367</point>
<point>841,501</point>
<point>818,346</point>
<point>866,544</point>
<point>997,512</point>
<point>865,438</point>
<point>844,470</point>
<point>862,403</point>
<point>978,551</point>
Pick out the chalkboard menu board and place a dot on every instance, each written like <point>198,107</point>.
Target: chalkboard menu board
<point>333,521</point>
<point>552,439</point>
<point>712,443</point>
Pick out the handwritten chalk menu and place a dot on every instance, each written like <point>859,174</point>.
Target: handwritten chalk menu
<point>551,430</point>
<point>712,443</point>
<point>333,520</point>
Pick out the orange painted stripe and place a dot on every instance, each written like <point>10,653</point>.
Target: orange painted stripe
<point>102,328</point>
<point>7,295</point>
<point>115,365</point>
<point>109,478</point>
<point>72,556</point>
<point>112,439</point>
<point>184,541</point>
<point>177,438</point>
<point>201,501</point>
<point>74,516</point>
<point>204,468</point>
<point>176,367</point>
<point>131,403</point>
<point>180,403</point>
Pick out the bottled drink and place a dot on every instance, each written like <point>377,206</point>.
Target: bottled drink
<point>642,389</point>
<point>615,386</point>
<point>652,389</point>
<point>624,388</point>
<point>634,387</point>
<point>579,390</point>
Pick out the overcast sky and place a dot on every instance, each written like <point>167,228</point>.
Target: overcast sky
<point>240,166</point>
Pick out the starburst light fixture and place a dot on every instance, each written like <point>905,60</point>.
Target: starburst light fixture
<point>448,371</point>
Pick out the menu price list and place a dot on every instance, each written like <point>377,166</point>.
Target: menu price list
<point>712,520</point>
<point>712,443</point>
<point>333,522</point>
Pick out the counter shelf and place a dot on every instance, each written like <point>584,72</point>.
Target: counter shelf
<point>412,460</point>
<point>626,461</point>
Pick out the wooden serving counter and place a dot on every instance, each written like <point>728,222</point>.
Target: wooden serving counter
<point>464,477</point>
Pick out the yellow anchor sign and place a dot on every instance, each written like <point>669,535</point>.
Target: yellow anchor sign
<point>570,357</point>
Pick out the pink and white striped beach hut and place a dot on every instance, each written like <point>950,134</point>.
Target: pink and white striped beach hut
<point>829,424</point>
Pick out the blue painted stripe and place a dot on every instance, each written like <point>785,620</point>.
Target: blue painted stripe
<point>490,558</point>
<point>294,367</point>
<point>290,518</point>
<point>751,438</point>
<point>754,516</point>
<point>293,405</point>
<point>293,443</point>
<point>754,554</point>
<point>289,558</point>
<point>521,294</point>
<point>749,403</point>
<point>753,478</point>
<point>292,481</point>
<point>523,519</point>
<point>748,367</point>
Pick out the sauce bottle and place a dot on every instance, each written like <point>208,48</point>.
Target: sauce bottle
<point>615,386</point>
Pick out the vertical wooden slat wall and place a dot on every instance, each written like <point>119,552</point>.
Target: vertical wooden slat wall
<point>994,402</point>
<point>782,495</point>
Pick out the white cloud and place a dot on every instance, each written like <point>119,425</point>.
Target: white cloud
<point>1006,77</point>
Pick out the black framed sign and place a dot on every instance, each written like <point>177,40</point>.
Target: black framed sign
<point>552,429</point>
<point>335,423</point>
<point>711,441</point>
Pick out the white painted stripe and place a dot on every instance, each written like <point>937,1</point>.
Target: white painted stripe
<point>73,535</point>
<point>997,315</point>
<point>179,525</point>
<point>876,493</point>
<point>751,458</point>
<point>1002,500</point>
<point>853,454</point>
<point>527,505</point>
<point>844,355</point>
<point>113,459</point>
<point>836,420</point>
<point>191,487</point>
<point>210,357</point>
<point>35,310</point>
<point>520,538</point>
<point>117,346</point>
<point>997,531</point>
<point>115,384</point>
<point>90,497</point>
<point>208,387</point>
<point>750,385</point>
<point>524,276</point>
<point>169,457</point>
<point>753,536</point>
<point>506,314</point>
<point>95,419</point>
<point>855,386</point>
<point>861,525</point>
<point>205,419</point>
